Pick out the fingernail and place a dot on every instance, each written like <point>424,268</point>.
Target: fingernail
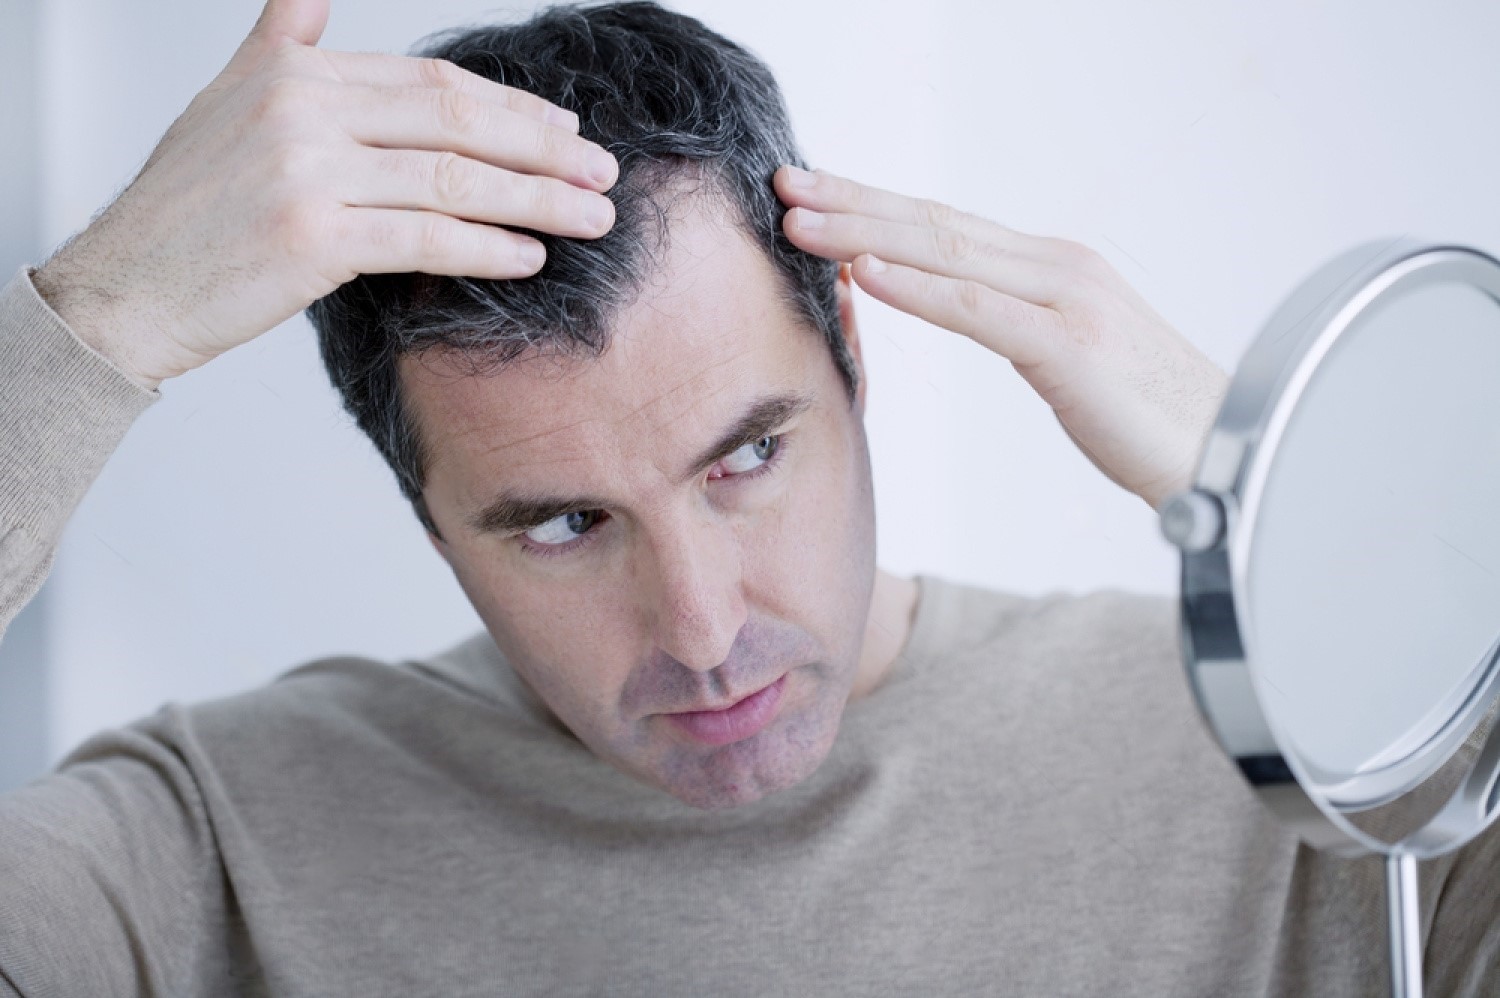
<point>598,212</point>
<point>563,118</point>
<point>532,255</point>
<point>798,177</point>
<point>875,265</point>
<point>602,166</point>
<point>808,219</point>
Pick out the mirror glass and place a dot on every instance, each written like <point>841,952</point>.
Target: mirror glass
<point>1372,588</point>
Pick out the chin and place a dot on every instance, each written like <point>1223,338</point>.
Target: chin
<point>711,796</point>
<point>780,757</point>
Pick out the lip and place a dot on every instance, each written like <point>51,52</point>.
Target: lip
<point>731,704</point>
<point>740,720</point>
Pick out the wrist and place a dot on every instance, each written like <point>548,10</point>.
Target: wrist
<point>100,318</point>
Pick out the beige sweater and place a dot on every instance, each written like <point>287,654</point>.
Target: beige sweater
<point>1030,805</point>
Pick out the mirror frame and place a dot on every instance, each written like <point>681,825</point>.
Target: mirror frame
<point>1213,525</point>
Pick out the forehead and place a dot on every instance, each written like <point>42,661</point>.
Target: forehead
<point>709,333</point>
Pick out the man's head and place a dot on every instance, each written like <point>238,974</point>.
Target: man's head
<point>646,464</point>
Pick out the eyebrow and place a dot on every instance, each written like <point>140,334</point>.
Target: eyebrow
<point>512,512</point>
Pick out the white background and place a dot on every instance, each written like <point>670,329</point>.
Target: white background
<point>1215,153</point>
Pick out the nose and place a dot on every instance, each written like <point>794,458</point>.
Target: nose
<point>699,601</point>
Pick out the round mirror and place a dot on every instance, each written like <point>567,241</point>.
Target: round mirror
<point>1341,563</point>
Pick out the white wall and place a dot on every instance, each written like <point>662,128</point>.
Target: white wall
<point>23,655</point>
<point>1214,152</point>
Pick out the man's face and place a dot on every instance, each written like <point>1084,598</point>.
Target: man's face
<point>631,568</point>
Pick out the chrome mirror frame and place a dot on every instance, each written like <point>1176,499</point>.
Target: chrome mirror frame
<point>1213,525</point>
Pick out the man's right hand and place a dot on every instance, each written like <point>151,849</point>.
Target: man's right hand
<point>297,169</point>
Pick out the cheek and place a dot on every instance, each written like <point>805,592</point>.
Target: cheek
<point>814,544</point>
<point>563,640</point>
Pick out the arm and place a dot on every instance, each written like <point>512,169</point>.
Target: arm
<point>63,410</point>
<point>109,876</point>
<point>110,881</point>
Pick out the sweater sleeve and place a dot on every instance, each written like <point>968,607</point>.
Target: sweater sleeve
<point>108,870</point>
<point>111,880</point>
<point>63,410</point>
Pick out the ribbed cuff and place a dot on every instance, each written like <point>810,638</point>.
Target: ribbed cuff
<point>63,410</point>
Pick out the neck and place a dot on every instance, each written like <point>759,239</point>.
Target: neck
<point>892,610</point>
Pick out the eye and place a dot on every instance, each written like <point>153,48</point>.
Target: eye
<point>565,534</point>
<point>752,455</point>
<point>562,529</point>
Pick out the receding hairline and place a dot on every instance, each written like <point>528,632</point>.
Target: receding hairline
<point>693,183</point>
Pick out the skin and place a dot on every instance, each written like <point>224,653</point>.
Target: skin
<point>693,591</point>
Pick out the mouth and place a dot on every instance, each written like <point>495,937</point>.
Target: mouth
<point>742,719</point>
<point>727,706</point>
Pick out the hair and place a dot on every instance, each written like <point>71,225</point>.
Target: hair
<point>672,101</point>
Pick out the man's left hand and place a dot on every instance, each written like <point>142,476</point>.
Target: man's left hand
<point>1135,396</point>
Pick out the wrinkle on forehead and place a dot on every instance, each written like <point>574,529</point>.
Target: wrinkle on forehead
<point>712,278</point>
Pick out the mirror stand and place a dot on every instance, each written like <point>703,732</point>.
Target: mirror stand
<point>1405,924</point>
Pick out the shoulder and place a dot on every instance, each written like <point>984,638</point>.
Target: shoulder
<point>340,704</point>
<point>1101,664</point>
<point>1113,622</point>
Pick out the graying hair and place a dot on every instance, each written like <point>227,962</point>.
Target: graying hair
<point>670,99</point>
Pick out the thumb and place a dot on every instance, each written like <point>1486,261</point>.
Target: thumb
<point>280,22</point>
<point>302,21</point>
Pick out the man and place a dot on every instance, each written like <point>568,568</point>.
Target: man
<point>704,746</point>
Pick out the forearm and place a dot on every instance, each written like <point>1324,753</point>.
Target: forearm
<point>63,410</point>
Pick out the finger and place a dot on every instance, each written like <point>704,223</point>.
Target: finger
<point>823,191</point>
<point>424,118</point>
<point>1015,329</point>
<point>392,241</point>
<point>940,251</point>
<point>466,188</point>
<point>280,22</point>
<point>381,69</point>
<point>301,21</point>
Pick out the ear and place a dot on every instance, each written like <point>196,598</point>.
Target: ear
<point>844,289</point>
<point>441,547</point>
